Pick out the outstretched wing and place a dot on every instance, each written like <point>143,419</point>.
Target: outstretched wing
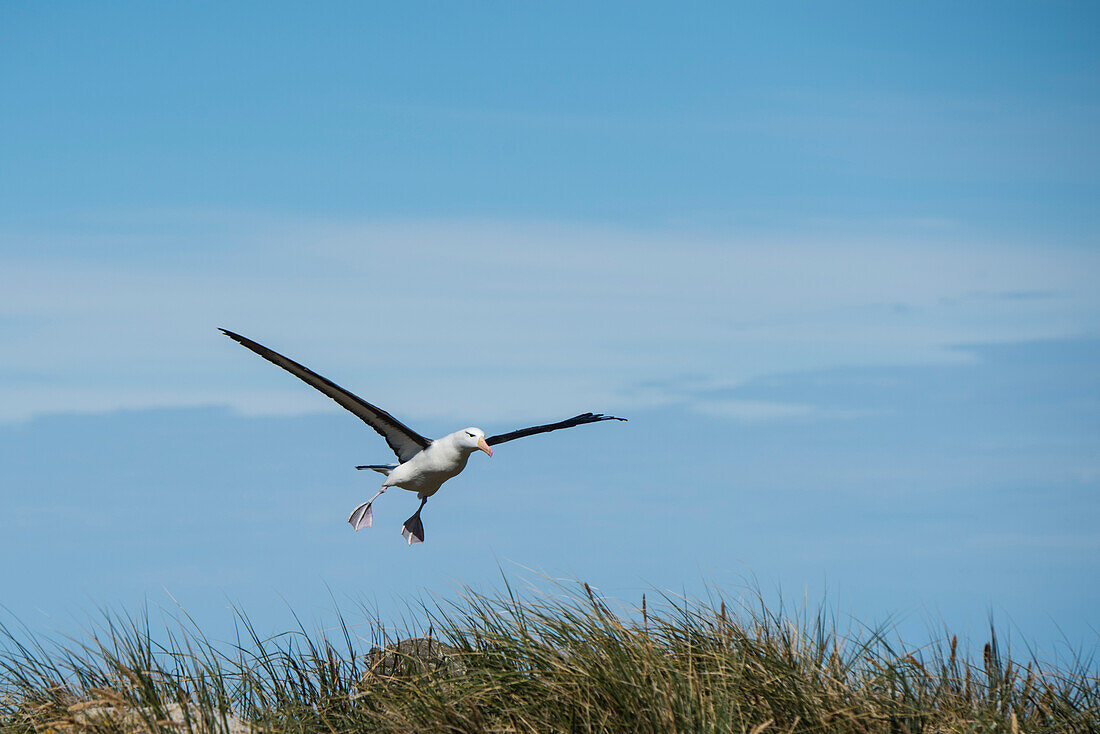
<point>404,441</point>
<point>577,420</point>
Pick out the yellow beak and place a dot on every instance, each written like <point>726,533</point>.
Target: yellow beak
<point>484,446</point>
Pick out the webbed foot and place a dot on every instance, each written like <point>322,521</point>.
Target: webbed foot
<point>362,516</point>
<point>413,529</point>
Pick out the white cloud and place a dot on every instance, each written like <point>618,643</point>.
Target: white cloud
<point>500,321</point>
<point>760,411</point>
<point>1084,542</point>
<point>755,411</point>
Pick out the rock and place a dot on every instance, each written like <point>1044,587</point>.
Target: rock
<point>133,720</point>
<point>415,656</point>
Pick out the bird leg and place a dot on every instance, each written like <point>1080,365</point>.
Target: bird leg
<point>413,529</point>
<point>361,516</point>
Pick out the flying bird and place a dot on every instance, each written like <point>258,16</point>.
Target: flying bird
<point>423,465</point>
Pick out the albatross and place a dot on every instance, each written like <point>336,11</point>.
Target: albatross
<point>423,465</point>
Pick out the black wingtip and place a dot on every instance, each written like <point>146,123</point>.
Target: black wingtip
<point>601,417</point>
<point>244,341</point>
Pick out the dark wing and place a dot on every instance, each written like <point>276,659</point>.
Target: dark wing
<point>404,441</point>
<point>577,420</point>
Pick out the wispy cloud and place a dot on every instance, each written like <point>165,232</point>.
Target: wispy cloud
<point>500,320</point>
<point>1087,542</point>
<point>760,411</point>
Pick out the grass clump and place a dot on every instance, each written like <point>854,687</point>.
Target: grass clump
<point>563,663</point>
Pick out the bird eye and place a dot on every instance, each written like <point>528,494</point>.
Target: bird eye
<point>469,434</point>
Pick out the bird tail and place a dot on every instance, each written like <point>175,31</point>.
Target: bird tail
<point>380,468</point>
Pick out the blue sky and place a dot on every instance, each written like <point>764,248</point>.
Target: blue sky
<point>837,263</point>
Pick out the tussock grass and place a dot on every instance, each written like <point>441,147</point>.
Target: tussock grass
<point>545,663</point>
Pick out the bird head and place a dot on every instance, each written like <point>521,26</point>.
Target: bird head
<point>474,440</point>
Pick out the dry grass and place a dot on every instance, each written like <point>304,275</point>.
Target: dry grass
<point>567,662</point>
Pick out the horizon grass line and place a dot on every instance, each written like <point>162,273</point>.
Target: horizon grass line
<point>537,662</point>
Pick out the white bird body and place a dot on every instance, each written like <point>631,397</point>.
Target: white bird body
<point>424,465</point>
<point>426,472</point>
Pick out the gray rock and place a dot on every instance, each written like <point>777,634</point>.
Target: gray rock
<point>132,720</point>
<point>415,656</point>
